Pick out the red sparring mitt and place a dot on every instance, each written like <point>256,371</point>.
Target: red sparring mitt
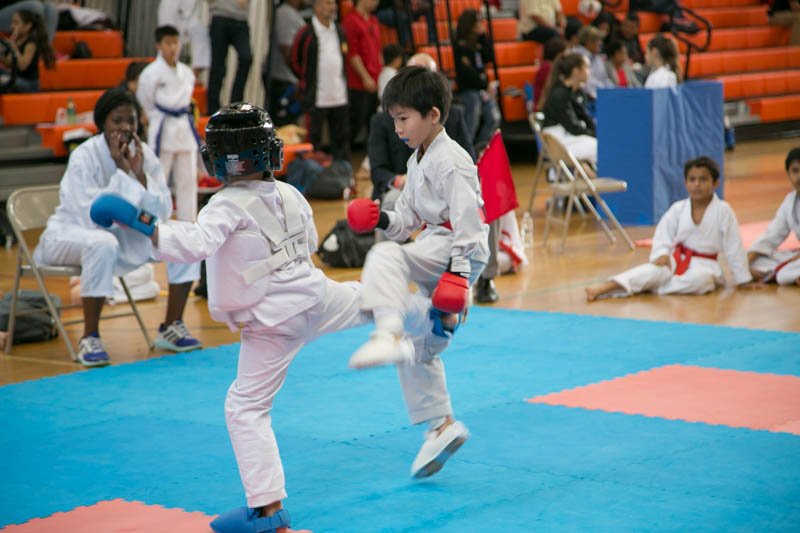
<point>363,215</point>
<point>451,293</point>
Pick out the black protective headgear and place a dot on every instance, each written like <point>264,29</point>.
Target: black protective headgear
<point>240,140</point>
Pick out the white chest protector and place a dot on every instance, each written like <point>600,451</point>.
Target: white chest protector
<point>239,273</point>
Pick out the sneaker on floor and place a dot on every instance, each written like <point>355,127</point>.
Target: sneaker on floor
<point>91,351</point>
<point>176,337</point>
<point>383,348</point>
<point>437,449</point>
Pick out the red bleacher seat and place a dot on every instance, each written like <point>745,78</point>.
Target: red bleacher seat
<point>504,29</point>
<point>737,61</point>
<point>102,43</point>
<point>85,73</point>
<point>734,38</point>
<point>776,108</point>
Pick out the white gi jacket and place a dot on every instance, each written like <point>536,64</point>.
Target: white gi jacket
<point>718,232</point>
<point>660,78</point>
<point>787,219</point>
<point>91,172</point>
<point>170,88</point>
<point>293,289</point>
<point>444,186</point>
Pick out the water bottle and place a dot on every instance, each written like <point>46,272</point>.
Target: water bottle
<point>526,231</point>
<point>71,112</point>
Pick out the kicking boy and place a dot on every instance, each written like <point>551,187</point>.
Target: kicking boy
<point>442,195</point>
<point>165,92</point>
<point>766,262</point>
<point>687,241</point>
<point>258,236</point>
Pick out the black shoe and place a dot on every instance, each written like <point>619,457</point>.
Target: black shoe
<point>487,293</point>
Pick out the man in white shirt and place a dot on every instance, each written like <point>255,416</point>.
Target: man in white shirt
<point>318,59</point>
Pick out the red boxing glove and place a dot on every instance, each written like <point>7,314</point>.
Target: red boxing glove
<point>451,293</point>
<point>363,215</point>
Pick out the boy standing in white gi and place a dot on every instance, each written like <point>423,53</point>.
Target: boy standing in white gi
<point>442,195</point>
<point>767,263</point>
<point>686,244</point>
<point>165,93</point>
<point>258,235</point>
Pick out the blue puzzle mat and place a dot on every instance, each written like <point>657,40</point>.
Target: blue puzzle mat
<point>154,431</point>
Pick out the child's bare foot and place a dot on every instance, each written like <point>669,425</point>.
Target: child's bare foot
<point>591,293</point>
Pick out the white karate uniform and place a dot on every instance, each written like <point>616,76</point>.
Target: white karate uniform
<point>787,219</point>
<point>301,305</point>
<point>72,238</point>
<point>185,15</point>
<point>443,186</point>
<point>661,77</point>
<point>171,88</point>
<point>718,232</point>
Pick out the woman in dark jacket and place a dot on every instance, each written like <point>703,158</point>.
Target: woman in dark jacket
<point>471,52</point>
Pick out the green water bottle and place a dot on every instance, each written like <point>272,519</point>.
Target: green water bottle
<point>71,113</point>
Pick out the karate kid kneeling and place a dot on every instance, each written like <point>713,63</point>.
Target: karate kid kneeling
<point>686,244</point>
<point>258,236</point>
<point>442,195</point>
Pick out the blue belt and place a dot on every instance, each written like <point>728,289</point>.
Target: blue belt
<point>176,113</point>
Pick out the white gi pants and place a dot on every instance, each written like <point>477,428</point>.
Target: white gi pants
<point>96,251</point>
<point>702,276</point>
<point>387,272</point>
<point>787,275</point>
<point>583,147</point>
<point>183,166</point>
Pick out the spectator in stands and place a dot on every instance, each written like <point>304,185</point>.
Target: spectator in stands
<point>553,49</point>
<point>394,58</point>
<point>113,161</point>
<point>165,91</point>
<point>282,80</point>
<point>29,43</point>
<point>591,43</point>
<point>318,54</point>
<point>228,28</point>
<point>185,16</point>
<point>394,13</point>
<point>618,68</point>
<point>606,22</point>
<point>47,10</point>
<point>629,34</point>
<point>786,13</point>
<point>541,20</point>
<point>662,58</point>
<point>364,64</point>
<point>574,25</point>
<point>131,82</point>
<point>471,52</point>
<point>565,114</point>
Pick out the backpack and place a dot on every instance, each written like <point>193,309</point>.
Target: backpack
<point>81,50</point>
<point>35,327</point>
<point>332,181</point>
<point>344,248</point>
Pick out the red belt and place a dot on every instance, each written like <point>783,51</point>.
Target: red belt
<point>683,256</point>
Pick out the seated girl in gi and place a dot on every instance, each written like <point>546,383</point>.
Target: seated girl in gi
<point>687,241</point>
<point>767,263</point>
<point>113,161</point>
<point>257,236</point>
<point>442,195</point>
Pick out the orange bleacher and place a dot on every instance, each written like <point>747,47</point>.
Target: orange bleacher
<point>101,43</point>
<point>86,73</point>
<point>738,61</point>
<point>733,38</point>
<point>503,29</point>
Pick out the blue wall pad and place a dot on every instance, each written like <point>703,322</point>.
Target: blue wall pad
<point>154,431</point>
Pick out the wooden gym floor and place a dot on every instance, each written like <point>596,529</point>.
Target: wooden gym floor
<point>755,185</point>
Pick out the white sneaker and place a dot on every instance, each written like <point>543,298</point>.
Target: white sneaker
<point>437,449</point>
<point>383,348</point>
<point>91,351</point>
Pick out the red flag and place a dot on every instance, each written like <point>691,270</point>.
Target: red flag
<point>497,184</point>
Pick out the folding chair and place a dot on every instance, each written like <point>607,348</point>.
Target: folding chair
<point>28,209</point>
<point>543,162</point>
<point>576,186</point>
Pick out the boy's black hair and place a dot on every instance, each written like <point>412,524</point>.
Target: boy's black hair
<point>392,52</point>
<point>110,100</point>
<point>418,88</point>
<point>554,46</point>
<point>702,162</point>
<point>166,30</point>
<point>613,47</point>
<point>632,16</point>
<point>794,155</point>
<point>134,69</point>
